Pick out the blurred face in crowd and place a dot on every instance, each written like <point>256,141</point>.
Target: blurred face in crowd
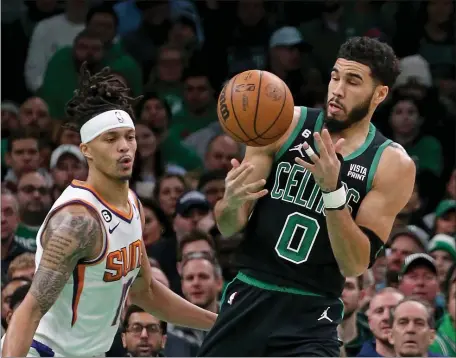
<point>351,296</point>
<point>70,137</point>
<point>146,140</point>
<point>198,94</point>
<point>379,269</point>
<point>451,304</point>
<point>181,34</point>
<point>160,276</point>
<point>402,246</point>
<point>24,156</point>
<point>10,216</point>
<point>420,281</point>
<point>405,118</point>
<point>220,152</point>
<point>411,335</point>
<point>250,12</point>
<point>27,272</point>
<point>154,114</point>
<point>352,94</point>
<point>451,185</point>
<point>379,314</point>
<point>446,224</point>
<point>443,262</point>
<point>214,190</point>
<point>112,153</point>
<point>200,285</point>
<point>7,292</point>
<point>170,65</point>
<point>170,190</point>
<point>188,221</point>
<point>68,168</point>
<point>34,198</point>
<point>152,228</point>
<point>104,25</point>
<point>34,113</point>
<point>143,336</point>
<point>439,11</point>
<point>9,120</point>
<point>88,49</point>
<point>289,57</point>
<point>197,246</point>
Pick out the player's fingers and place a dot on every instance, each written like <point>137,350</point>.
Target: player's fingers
<point>338,146</point>
<point>235,172</point>
<point>235,163</point>
<point>247,169</point>
<point>325,136</point>
<point>253,187</point>
<point>321,145</point>
<point>257,195</point>
<point>304,164</point>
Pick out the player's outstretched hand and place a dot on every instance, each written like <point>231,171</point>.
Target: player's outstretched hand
<point>237,189</point>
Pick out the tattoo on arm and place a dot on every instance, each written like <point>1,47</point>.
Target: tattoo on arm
<point>71,235</point>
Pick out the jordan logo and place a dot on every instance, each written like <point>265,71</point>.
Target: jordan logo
<point>324,315</point>
<point>298,148</point>
<point>231,299</point>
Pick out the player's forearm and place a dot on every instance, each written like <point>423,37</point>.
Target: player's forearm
<point>20,332</point>
<point>350,245</point>
<point>167,306</point>
<point>229,220</point>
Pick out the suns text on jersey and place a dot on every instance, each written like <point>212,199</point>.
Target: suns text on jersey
<point>120,262</point>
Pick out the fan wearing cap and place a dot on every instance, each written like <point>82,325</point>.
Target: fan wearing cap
<point>419,278</point>
<point>90,252</point>
<point>445,217</point>
<point>193,211</point>
<point>442,248</point>
<point>67,163</point>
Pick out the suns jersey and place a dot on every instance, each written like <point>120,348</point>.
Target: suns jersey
<point>86,315</point>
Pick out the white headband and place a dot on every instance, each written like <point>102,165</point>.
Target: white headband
<point>105,122</point>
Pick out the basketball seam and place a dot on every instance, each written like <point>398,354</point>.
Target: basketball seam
<point>235,115</point>
<point>275,120</point>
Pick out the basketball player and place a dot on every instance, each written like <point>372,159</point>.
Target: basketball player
<point>90,251</point>
<point>317,206</point>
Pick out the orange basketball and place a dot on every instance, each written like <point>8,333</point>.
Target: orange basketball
<point>255,107</point>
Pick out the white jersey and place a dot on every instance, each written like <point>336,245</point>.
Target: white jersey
<point>85,318</point>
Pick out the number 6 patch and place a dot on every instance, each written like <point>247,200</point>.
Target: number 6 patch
<point>106,215</point>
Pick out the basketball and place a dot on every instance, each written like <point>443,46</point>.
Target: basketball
<point>255,107</point>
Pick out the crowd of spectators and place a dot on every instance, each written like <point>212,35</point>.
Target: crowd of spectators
<point>177,54</point>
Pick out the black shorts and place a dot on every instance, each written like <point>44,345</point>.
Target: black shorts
<point>259,319</point>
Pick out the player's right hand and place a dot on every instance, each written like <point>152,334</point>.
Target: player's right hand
<point>237,189</point>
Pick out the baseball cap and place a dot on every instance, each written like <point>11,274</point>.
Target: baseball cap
<point>418,259</point>
<point>286,36</point>
<point>444,207</point>
<point>445,243</point>
<point>190,200</point>
<point>414,232</point>
<point>65,149</point>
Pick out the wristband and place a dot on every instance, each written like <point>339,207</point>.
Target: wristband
<point>335,200</point>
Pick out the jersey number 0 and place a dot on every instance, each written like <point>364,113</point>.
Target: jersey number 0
<point>308,230</point>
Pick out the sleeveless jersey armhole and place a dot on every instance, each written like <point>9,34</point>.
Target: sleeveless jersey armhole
<point>375,162</point>
<point>297,129</point>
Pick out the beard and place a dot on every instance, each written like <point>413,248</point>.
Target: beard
<point>354,116</point>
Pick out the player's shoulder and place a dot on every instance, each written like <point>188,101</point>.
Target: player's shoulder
<point>396,165</point>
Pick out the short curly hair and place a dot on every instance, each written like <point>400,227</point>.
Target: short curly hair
<point>378,56</point>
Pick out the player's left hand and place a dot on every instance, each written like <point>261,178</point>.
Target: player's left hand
<point>326,167</point>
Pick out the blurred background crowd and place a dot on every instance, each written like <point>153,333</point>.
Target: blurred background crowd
<point>177,54</point>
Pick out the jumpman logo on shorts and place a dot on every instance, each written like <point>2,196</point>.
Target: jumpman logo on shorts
<point>324,315</point>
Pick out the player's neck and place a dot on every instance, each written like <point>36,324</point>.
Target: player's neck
<point>115,192</point>
<point>349,329</point>
<point>354,136</point>
<point>383,349</point>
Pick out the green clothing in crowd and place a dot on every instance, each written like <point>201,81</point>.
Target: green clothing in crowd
<point>185,123</point>
<point>26,236</point>
<point>445,340</point>
<point>61,77</point>
<point>175,152</point>
<point>427,154</point>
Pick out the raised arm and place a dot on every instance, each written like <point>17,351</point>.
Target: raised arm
<point>244,184</point>
<point>73,233</point>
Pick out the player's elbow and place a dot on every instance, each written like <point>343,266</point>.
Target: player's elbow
<point>354,269</point>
